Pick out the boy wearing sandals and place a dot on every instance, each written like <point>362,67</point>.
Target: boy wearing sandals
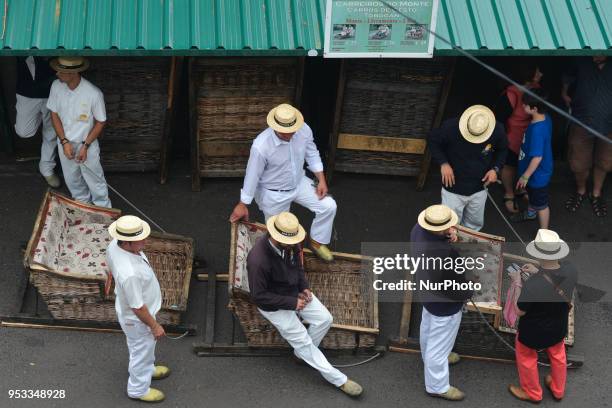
<point>536,161</point>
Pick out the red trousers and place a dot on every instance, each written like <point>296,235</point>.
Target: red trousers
<point>527,365</point>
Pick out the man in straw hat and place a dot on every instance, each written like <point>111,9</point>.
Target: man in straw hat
<point>543,304</point>
<point>79,115</point>
<point>279,288</point>
<point>275,176</point>
<point>431,238</point>
<point>137,301</point>
<point>471,151</point>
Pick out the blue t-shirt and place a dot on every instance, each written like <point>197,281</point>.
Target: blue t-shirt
<point>537,143</point>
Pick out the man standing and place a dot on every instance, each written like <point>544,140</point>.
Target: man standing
<point>34,78</point>
<point>137,301</point>
<point>591,103</point>
<point>279,288</point>
<point>79,115</point>
<point>430,238</point>
<point>275,176</point>
<point>471,151</point>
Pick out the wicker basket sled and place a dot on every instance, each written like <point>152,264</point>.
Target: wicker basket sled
<point>344,287</point>
<point>66,262</point>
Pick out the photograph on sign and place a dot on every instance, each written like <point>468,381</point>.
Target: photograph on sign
<point>371,29</point>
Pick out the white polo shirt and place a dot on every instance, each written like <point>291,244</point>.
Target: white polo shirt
<point>278,165</point>
<point>135,282</point>
<point>77,108</point>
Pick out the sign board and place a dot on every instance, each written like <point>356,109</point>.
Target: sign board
<point>370,29</point>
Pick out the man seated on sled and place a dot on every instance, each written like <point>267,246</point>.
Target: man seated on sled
<point>279,289</point>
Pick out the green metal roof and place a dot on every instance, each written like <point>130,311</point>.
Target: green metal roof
<point>287,27</point>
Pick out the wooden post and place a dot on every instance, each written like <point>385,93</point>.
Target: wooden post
<point>193,128</point>
<point>174,80</point>
<point>436,122</point>
<point>404,330</point>
<point>333,139</point>
<point>299,83</point>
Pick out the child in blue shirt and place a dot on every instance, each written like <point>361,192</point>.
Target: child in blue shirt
<point>536,160</point>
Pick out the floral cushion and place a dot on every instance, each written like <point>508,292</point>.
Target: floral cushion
<point>245,240</point>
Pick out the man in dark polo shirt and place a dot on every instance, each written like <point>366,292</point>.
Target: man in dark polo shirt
<point>471,151</point>
<point>279,288</point>
<point>34,78</point>
<point>431,239</point>
<point>591,103</point>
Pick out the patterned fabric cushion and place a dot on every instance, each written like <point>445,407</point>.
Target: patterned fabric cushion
<point>244,243</point>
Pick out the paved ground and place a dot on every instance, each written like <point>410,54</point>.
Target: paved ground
<point>92,368</point>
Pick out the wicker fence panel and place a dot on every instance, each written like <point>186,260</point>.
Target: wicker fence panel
<point>136,96</point>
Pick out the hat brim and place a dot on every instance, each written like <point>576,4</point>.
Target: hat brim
<point>536,253</point>
<point>454,219</point>
<point>280,237</point>
<point>146,231</point>
<point>299,122</point>
<point>463,124</point>
<point>55,65</point>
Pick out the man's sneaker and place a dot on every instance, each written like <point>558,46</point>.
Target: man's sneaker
<point>160,372</point>
<point>351,388</point>
<point>53,180</point>
<point>519,393</point>
<point>154,395</point>
<point>453,394</point>
<point>321,250</point>
<point>453,358</point>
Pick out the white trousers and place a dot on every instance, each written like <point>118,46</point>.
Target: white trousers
<point>274,202</point>
<point>437,337</point>
<point>141,346</point>
<point>305,343</point>
<point>87,185</point>
<point>469,209</point>
<point>31,112</point>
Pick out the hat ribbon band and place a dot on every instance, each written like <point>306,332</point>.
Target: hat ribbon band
<point>285,124</point>
<point>284,233</point>
<point>437,224</point>
<point>129,234</point>
<point>547,251</point>
<point>69,66</point>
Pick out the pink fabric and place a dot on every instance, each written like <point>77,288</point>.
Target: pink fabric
<point>510,313</point>
<point>527,365</point>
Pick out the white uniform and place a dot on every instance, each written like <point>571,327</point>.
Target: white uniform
<point>135,285</point>
<point>275,178</point>
<point>31,113</point>
<point>77,110</point>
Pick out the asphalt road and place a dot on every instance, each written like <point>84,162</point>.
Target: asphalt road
<point>92,367</point>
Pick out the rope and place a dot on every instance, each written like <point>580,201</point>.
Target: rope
<point>504,217</point>
<point>123,198</point>
<point>358,363</point>
<point>177,337</point>
<point>501,75</point>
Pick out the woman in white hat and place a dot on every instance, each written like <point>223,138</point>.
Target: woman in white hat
<point>137,301</point>
<point>471,151</point>
<point>430,238</point>
<point>543,307</point>
<point>279,288</point>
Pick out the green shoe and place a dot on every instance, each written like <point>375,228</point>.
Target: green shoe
<point>154,395</point>
<point>160,372</point>
<point>321,250</point>
<point>351,388</point>
<point>453,358</point>
<point>453,394</point>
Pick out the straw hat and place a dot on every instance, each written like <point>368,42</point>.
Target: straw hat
<point>286,229</point>
<point>69,64</point>
<point>129,228</point>
<point>285,119</point>
<point>477,124</point>
<point>548,246</point>
<point>438,218</point>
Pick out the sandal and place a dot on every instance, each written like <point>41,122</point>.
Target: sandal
<point>523,216</point>
<point>514,207</point>
<point>574,202</point>
<point>599,206</point>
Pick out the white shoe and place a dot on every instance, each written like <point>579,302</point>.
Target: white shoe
<point>53,180</point>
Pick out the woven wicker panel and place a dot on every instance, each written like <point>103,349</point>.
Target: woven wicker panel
<point>342,286</point>
<point>136,96</point>
<point>233,100</point>
<point>389,98</point>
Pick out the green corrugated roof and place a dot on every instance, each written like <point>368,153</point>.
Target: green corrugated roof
<point>288,27</point>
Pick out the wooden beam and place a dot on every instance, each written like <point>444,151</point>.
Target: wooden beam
<point>381,144</point>
<point>224,149</point>
<point>333,137</point>
<point>166,139</point>
<point>404,330</point>
<point>193,128</point>
<point>355,328</point>
<point>222,277</point>
<point>211,304</point>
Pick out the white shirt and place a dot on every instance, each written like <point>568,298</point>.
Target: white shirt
<point>278,165</point>
<point>135,282</point>
<point>77,108</point>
